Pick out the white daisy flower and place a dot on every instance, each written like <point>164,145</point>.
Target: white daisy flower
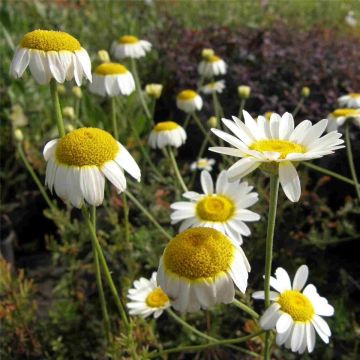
<point>111,79</point>
<point>79,162</point>
<point>167,133</point>
<point>202,164</point>
<point>189,101</point>
<point>199,268</point>
<point>129,46</point>
<point>224,209</point>
<point>147,298</point>
<point>275,145</point>
<point>214,87</point>
<point>339,116</point>
<point>51,54</point>
<point>212,66</point>
<point>295,314</point>
<point>351,100</point>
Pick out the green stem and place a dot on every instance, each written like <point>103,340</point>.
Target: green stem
<point>330,173</point>
<point>148,215</point>
<point>105,268</point>
<point>106,321</point>
<point>246,308</point>
<point>195,348</point>
<point>77,109</point>
<point>274,189</point>
<point>203,130</point>
<point>298,107</point>
<point>218,105</point>
<point>351,159</point>
<point>113,118</point>
<point>126,220</point>
<point>187,120</point>
<point>176,169</point>
<point>139,90</point>
<point>57,107</point>
<point>35,177</point>
<point>199,156</point>
<point>241,108</point>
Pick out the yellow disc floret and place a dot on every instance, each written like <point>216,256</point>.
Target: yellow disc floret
<point>166,126</point>
<point>128,39</point>
<point>355,95</point>
<point>217,208</point>
<point>283,147</point>
<point>86,147</point>
<point>345,112</point>
<point>110,69</point>
<point>198,253</point>
<point>156,298</point>
<point>48,40</point>
<point>297,305</point>
<point>187,95</point>
<point>213,58</point>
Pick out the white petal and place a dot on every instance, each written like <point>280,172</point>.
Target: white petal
<point>73,186</point>
<point>206,182</point>
<point>290,181</point>
<point>283,278</point>
<point>49,149</point>
<point>286,126</point>
<point>301,277</point>
<point>242,168</point>
<point>270,317</point>
<point>39,67</point>
<point>310,336</point>
<point>127,162</point>
<point>297,336</point>
<point>92,183</point>
<point>114,174</point>
<point>284,323</point>
<point>55,66</point>
<point>60,185</point>
<point>275,120</point>
<point>314,132</point>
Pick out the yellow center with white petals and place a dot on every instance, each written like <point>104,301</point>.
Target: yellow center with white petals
<point>48,40</point>
<point>156,298</point>
<point>297,305</point>
<point>283,147</point>
<point>111,69</point>
<point>128,39</point>
<point>217,208</point>
<point>345,112</point>
<point>355,95</point>
<point>165,126</point>
<point>202,163</point>
<point>187,95</point>
<point>86,147</point>
<point>213,58</point>
<point>198,253</point>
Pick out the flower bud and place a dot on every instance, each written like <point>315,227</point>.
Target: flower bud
<point>76,90</point>
<point>103,56</point>
<point>212,122</point>
<point>305,92</point>
<point>61,89</point>
<point>244,91</point>
<point>206,53</point>
<point>69,128</point>
<point>69,112</point>
<point>154,90</point>
<point>18,135</point>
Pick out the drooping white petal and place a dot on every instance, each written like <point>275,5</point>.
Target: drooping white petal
<point>127,162</point>
<point>290,181</point>
<point>242,168</point>
<point>114,174</point>
<point>284,323</point>
<point>49,149</point>
<point>92,184</point>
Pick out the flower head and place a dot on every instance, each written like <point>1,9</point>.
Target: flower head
<point>202,164</point>
<point>154,90</point>
<point>212,65</point>
<point>244,91</point>
<point>51,54</point>
<point>112,79</point>
<point>78,163</point>
<point>339,116</point>
<point>167,133</point>
<point>103,56</point>
<point>295,313</point>
<point>275,145</point>
<point>214,87</point>
<point>224,209</point>
<point>147,298</point>
<point>199,268</point>
<point>129,46</point>
<point>189,101</point>
<point>351,100</point>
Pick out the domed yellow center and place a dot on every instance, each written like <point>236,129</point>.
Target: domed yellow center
<point>165,126</point>
<point>48,40</point>
<point>297,305</point>
<point>202,163</point>
<point>213,58</point>
<point>355,95</point>
<point>198,253</point>
<point>128,39</point>
<point>110,69</point>
<point>346,112</point>
<point>86,147</point>
<point>156,298</point>
<point>212,85</point>
<point>215,208</point>
<point>283,147</point>
<point>187,95</point>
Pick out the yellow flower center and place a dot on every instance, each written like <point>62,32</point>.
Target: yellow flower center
<point>283,147</point>
<point>212,85</point>
<point>297,305</point>
<point>345,112</point>
<point>355,95</point>
<point>213,58</point>
<point>198,253</point>
<point>128,39</point>
<point>187,95</point>
<point>48,40</point>
<point>86,147</point>
<point>202,163</point>
<point>156,298</point>
<point>110,69</point>
<point>215,208</point>
<point>165,126</point>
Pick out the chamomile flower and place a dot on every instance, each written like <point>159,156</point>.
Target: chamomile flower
<point>167,133</point>
<point>339,116</point>
<point>214,87</point>
<point>295,313</point>
<point>112,79</point>
<point>189,101</point>
<point>79,162</point>
<point>51,54</point>
<point>147,298</point>
<point>202,164</point>
<point>211,66</point>
<point>224,209</point>
<point>275,145</point>
<point>351,100</point>
<point>199,267</point>
<point>129,46</point>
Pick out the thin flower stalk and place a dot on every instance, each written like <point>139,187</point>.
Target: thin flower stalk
<point>176,169</point>
<point>57,107</point>
<point>351,159</point>
<point>203,130</point>
<point>241,108</point>
<point>113,118</point>
<point>246,308</point>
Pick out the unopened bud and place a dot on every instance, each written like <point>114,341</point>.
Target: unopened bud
<point>76,90</point>
<point>69,112</point>
<point>154,90</point>
<point>244,91</point>
<point>212,122</point>
<point>69,128</point>
<point>18,135</point>
<point>207,53</point>
<point>103,56</point>
<point>61,89</point>
<point>305,92</point>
